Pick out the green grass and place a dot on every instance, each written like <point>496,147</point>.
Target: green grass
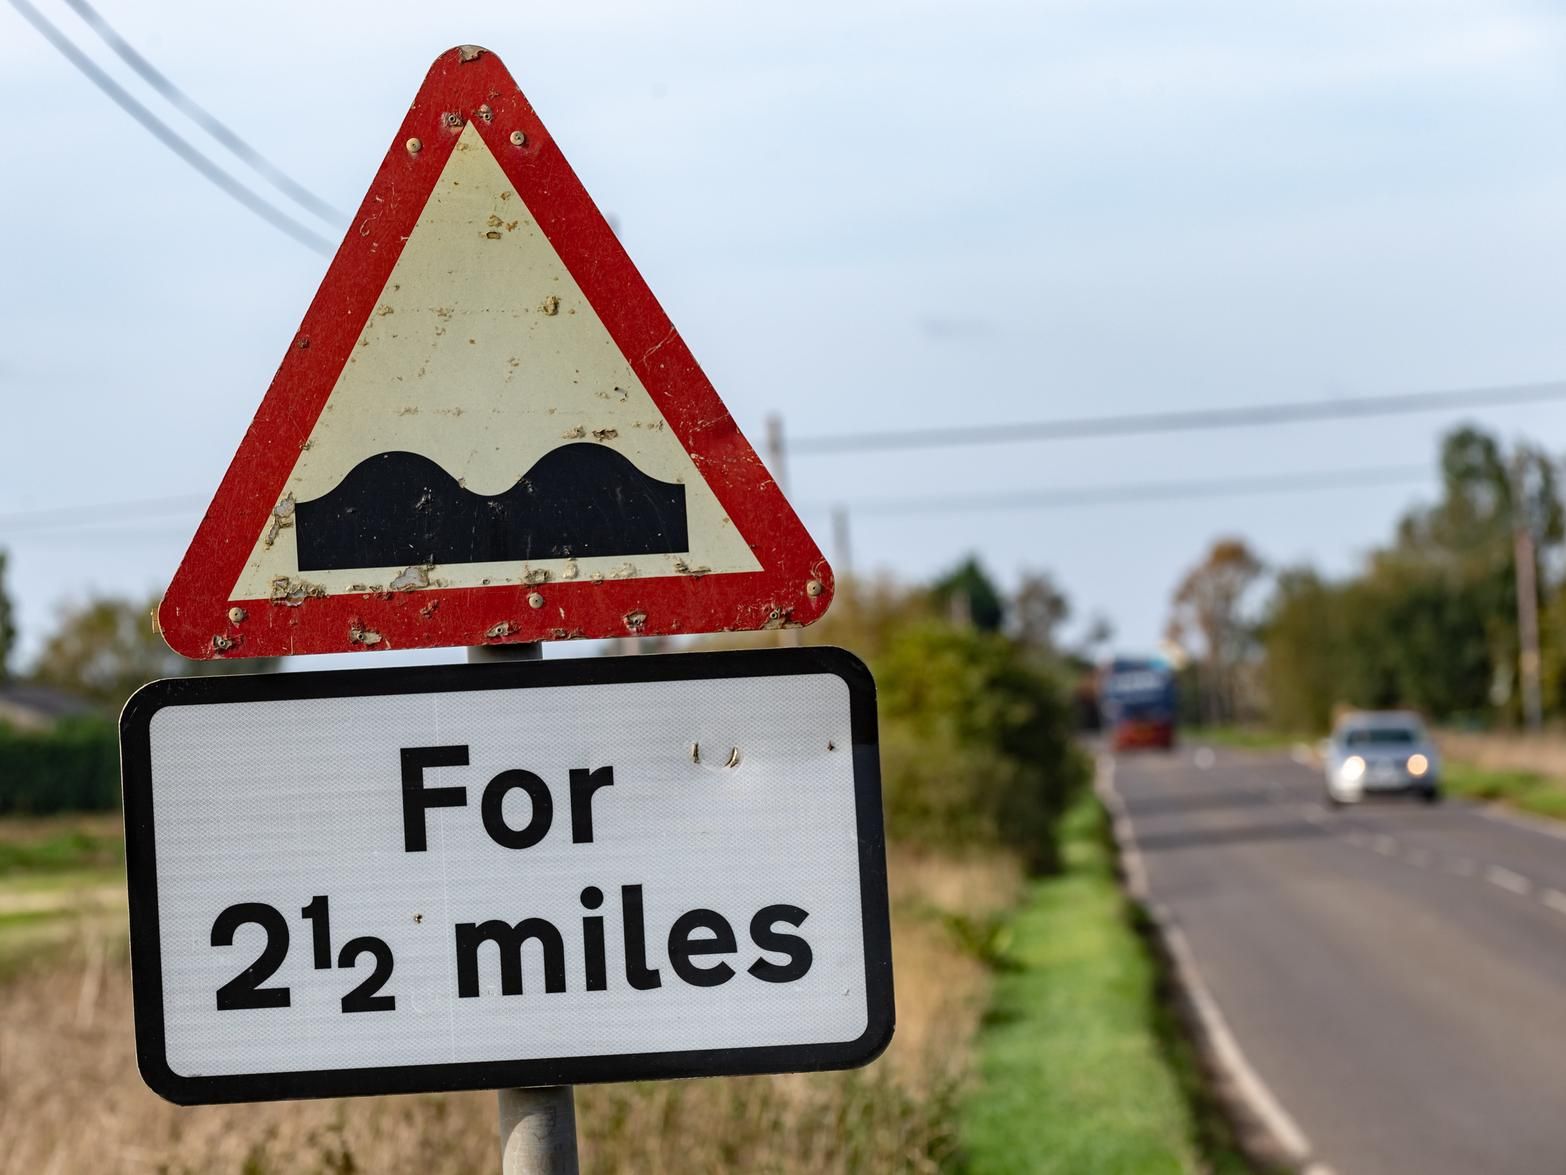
<point>1523,790</point>
<point>1245,738</point>
<point>58,845</point>
<point>1082,1066</point>
<point>62,852</point>
<point>60,877</point>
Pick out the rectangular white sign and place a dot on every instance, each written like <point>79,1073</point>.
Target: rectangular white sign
<point>516,874</point>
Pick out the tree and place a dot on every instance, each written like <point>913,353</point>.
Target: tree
<point>1208,603</point>
<point>107,647</point>
<point>1100,632</point>
<point>1304,654</point>
<point>977,742</point>
<point>1038,609</point>
<point>1431,621</point>
<point>7,624</point>
<point>968,595</point>
<point>1462,552</point>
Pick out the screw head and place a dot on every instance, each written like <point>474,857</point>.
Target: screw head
<point>518,138</point>
<point>535,600</point>
<point>414,146</point>
<point>813,588</point>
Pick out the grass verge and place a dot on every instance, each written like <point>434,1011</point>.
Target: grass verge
<point>1242,738</point>
<point>61,877</point>
<point>1526,791</point>
<point>1083,1066</point>
<point>58,844</point>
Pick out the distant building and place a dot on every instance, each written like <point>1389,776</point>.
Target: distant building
<point>26,705</point>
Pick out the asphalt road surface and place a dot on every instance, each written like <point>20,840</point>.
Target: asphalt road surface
<point>1394,973</point>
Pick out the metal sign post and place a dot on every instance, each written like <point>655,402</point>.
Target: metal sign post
<point>538,1131</point>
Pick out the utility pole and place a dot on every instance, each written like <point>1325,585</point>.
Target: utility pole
<point>1526,573</point>
<point>777,461</point>
<point>777,458</point>
<point>841,546</point>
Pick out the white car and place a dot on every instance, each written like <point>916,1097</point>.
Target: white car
<point>1381,752</point>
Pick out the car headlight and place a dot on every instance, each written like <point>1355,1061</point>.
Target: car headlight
<point>1418,765</point>
<point>1353,768</point>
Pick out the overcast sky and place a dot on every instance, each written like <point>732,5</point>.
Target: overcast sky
<point>859,216</point>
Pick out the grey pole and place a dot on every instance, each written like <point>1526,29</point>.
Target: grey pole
<point>841,545</point>
<point>1525,573</point>
<point>777,462</point>
<point>538,1131</point>
<point>537,1126</point>
<point>777,453</point>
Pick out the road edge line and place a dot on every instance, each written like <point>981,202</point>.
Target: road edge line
<point>1502,814</point>
<point>1247,1096</point>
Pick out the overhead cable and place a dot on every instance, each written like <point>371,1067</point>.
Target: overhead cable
<point>1152,491</point>
<point>1185,420</point>
<point>204,118</point>
<point>169,137</point>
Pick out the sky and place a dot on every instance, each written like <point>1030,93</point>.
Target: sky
<point>860,217</point>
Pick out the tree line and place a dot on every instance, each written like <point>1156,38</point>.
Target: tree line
<point>1429,621</point>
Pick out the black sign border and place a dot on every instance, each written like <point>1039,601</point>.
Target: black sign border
<point>141,871</point>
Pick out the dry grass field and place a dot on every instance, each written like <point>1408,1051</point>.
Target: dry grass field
<point>71,1100</point>
<point>1540,754</point>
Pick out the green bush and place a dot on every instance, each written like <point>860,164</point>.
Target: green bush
<point>976,742</point>
<point>75,767</point>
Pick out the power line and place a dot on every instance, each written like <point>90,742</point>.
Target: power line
<point>169,137</point>
<point>1188,420</point>
<point>106,513</point>
<point>107,516</point>
<point>193,110</point>
<point>1160,491</point>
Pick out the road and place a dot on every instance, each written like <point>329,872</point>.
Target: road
<point>1394,974</point>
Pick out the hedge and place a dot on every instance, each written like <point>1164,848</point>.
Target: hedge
<point>74,767</point>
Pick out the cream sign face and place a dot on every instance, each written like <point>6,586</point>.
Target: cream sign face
<point>486,430</point>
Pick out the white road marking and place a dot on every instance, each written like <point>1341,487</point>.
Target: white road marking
<point>1120,825</point>
<point>1507,880</point>
<point>1226,1049</point>
<point>1264,1104</point>
<point>1555,900</point>
<point>1204,758</point>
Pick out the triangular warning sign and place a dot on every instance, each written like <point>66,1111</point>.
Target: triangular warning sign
<point>486,430</point>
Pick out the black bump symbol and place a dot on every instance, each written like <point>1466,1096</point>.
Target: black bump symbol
<point>580,500</point>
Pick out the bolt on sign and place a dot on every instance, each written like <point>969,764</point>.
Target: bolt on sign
<point>486,430</point>
<point>404,880</point>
